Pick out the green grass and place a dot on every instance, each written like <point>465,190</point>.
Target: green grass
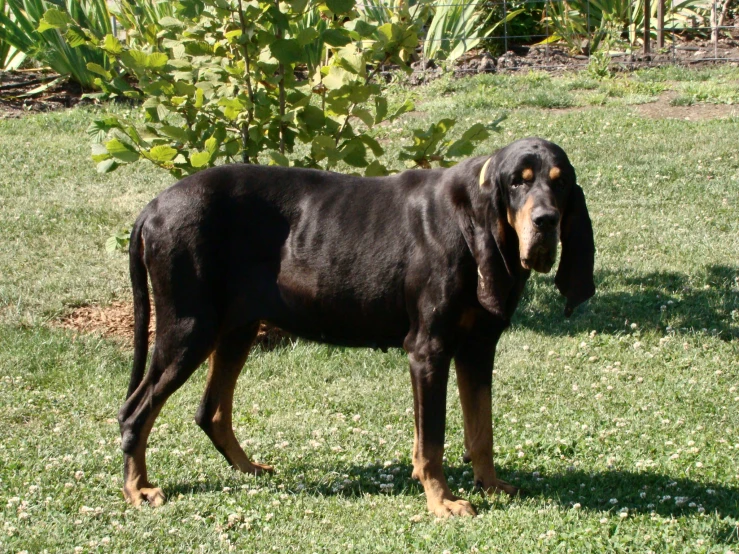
<point>622,422</point>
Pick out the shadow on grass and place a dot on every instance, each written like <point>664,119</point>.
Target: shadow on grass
<point>642,492</point>
<point>653,301</point>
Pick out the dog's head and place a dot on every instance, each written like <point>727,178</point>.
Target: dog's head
<point>528,194</point>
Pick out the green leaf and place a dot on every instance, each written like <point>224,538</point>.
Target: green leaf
<point>100,70</point>
<point>98,129</point>
<point>375,169</point>
<point>460,148</point>
<point>351,60</point>
<point>112,45</point>
<point>106,166</point>
<point>54,19</point>
<point>111,244</point>
<point>337,78</point>
<point>135,59</point>
<point>477,132</point>
<point>286,51</point>
<point>199,159</point>
<point>162,153</point>
<point>171,23</point>
<point>157,59</point>
<point>364,29</point>
<point>377,150</point>
<point>380,108</point>
<point>354,153</point>
<point>278,159</point>
<point>340,6</point>
<point>121,151</point>
<point>364,115</point>
<point>297,6</point>
<point>336,37</point>
<point>75,37</point>
<point>306,36</point>
<point>211,145</point>
<point>407,106</point>
<point>313,117</point>
<point>173,132</point>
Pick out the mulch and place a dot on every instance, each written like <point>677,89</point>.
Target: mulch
<point>17,96</point>
<point>20,94</point>
<point>115,321</point>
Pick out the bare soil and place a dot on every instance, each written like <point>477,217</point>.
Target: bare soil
<point>18,99</point>
<point>115,321</point>
<point>663,109</point>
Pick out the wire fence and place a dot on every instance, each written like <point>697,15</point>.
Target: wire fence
<point>569,33</point>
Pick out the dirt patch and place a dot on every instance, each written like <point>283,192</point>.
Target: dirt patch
<point>23,92</point>
<point>663,109</point>
<point>115,321</point>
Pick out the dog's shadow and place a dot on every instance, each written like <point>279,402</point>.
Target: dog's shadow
<point>649,299</point>
<point>608,491</point>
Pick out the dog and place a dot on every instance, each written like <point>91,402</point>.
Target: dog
<point>433,261</point>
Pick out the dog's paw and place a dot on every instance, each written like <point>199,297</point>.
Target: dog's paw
<point>448,507</point>
<point>498,486</point>
<point>153,495</point>
<point>253,468</point>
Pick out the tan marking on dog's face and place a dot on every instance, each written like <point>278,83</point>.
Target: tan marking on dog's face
<point>554,173</point>
<point>527,174</point>
<point>521,222</point>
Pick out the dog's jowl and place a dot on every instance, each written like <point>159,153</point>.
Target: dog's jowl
<point>433,261</point>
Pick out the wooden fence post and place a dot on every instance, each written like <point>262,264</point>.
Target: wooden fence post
<point>647,25</point>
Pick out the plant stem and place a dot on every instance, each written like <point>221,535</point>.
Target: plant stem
<point>250,110</point>
<point>281,72</point>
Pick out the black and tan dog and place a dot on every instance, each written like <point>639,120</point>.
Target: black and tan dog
<point>433,261</point>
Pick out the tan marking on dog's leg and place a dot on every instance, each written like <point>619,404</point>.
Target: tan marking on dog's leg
<point>216,413</point>
<point>527,174</point>
<point>554,173</point>
<point>415,475</point>
<point>477,414</point>
<point>136,486</point>
<point>427,466</point>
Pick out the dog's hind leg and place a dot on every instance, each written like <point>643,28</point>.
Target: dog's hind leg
<point>181,346</point>
<point>214,416</point>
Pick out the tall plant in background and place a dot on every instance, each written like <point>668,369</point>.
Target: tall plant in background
<point>142,19</point>
<point>614,21</point>
<point>228,84</point>
<point>455,29</point>
<point>56,34</point>
<point>10,56</point>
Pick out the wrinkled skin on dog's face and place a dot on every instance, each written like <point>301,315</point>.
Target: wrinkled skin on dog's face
<point>535,178</point>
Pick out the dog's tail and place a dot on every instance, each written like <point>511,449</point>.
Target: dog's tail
<point>141,305</point>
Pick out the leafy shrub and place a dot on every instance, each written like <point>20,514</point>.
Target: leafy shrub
<point>56,34</point>
<point>232,80</point>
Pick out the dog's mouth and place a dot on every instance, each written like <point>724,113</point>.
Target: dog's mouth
<point>541,255</point>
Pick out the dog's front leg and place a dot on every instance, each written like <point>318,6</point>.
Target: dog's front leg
<point>429,374</point>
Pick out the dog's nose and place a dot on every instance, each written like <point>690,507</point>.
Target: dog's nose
<point>545,219</point>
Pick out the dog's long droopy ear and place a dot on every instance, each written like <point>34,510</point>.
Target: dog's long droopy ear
<point>483,230</point>
<point>574,277</point>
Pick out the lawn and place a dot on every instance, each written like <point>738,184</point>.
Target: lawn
<point>622,422</point>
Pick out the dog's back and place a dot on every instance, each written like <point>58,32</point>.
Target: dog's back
<point>323,255</point>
